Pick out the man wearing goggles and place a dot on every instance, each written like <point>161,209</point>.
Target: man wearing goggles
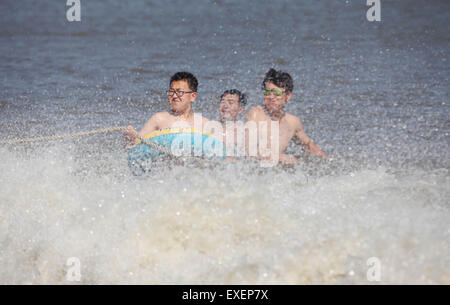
<point>277,88</point>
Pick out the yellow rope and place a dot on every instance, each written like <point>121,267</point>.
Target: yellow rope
<point>64,136</point>
<point>93,132</point>
<point>156,146</point>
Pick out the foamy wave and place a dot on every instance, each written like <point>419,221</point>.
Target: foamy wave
<point>228,225</point>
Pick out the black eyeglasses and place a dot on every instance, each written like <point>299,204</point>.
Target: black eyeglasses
<point>178,93</point>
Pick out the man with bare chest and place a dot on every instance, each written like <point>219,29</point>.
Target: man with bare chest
<point>232,103</point>
<point>278,87</point>
<point>181,94</point>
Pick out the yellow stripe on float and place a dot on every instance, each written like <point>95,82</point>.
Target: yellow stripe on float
<point>162,132</point>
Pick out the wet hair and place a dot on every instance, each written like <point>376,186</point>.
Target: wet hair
<point>186,76</point>
<point>280,79</point>
<point>242,96</point>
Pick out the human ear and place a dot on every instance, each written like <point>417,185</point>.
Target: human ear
<point>288,96</point>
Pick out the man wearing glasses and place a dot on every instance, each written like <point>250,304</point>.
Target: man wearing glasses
<point>181,95</point>
<point>278,86</point>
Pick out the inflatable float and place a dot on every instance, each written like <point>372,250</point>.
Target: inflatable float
<point>173,143</point>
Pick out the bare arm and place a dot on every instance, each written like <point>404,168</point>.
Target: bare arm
<point>251,115</point>
<point>288,159</point>
<point>152,124</point>
<point>306,141</point>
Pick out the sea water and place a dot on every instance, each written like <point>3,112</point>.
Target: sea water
<point>373,95</point>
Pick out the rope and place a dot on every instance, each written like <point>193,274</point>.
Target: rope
<point>156,146</point>
<point>97,131</point>
<point>64,136</point>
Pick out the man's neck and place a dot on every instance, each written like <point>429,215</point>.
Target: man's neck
<point>186,115</point>
<point>224,122</point>
<point>274,115</point>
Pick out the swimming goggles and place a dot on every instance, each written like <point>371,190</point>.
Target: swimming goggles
<point>275,91</point>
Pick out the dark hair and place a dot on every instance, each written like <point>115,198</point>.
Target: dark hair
<point>242,96</point>
<point>186,76</point>
<point>280,79</point>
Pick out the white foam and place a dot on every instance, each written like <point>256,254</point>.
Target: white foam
<point>231,225</point>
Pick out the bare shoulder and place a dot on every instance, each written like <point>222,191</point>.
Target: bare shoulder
<point>157,119</point>
<point>160,116</point>
<point>255,112</point>
<point>154,122</point>
<point>208,122</point>
<point>204,119</point>
<point>294,121</point>
<point>257,109</point>
<point>199,116</point>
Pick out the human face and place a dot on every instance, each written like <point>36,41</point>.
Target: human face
<point>181,104</point>
<point>229,107</point>
<point>275,103</point>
